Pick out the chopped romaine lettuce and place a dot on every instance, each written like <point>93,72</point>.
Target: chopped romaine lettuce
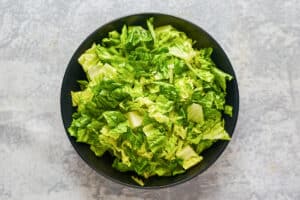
<point>151,100</point>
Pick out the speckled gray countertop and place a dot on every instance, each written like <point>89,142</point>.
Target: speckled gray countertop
<point>262,39</point>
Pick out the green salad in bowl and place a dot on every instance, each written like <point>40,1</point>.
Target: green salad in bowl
<point>151,100</point>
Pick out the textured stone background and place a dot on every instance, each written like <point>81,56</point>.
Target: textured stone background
<point>37,39</point>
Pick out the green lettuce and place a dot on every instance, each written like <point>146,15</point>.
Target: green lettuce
<point>151,100</point>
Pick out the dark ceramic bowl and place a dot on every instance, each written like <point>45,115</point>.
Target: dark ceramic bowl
<point>74,72</point>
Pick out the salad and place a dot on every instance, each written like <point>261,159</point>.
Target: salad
<point>151,100</point>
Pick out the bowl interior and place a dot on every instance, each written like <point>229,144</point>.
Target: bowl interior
<point>74,72</point>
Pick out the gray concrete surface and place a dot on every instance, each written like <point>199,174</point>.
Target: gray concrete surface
<point>262,39</point>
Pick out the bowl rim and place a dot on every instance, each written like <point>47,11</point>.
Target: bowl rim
<point>235,120</point>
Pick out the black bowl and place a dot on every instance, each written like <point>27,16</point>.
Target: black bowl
<point>74,72</point>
